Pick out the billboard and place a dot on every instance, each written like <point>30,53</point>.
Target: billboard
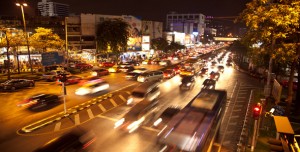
<point>51,58</point>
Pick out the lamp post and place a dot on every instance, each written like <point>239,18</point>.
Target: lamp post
<point>26,35</point>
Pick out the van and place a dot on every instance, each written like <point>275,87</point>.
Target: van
<point>146,91</point>
<point>151,76</point>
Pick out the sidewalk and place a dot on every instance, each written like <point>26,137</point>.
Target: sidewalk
<point>267,127</point>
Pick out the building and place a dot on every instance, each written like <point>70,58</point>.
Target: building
<point>190,24</point>
<point>49,8</point>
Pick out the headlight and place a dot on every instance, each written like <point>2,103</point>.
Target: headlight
<point>94,73</point>
<point>111,70</point>
<point>203,86</point>
<point>129,101</point>
<point>135,125</point>
<point>188,84</point>
<point>119,123</point>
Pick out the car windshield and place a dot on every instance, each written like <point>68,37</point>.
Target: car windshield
<point>138,94</point>
<point>8,81</point>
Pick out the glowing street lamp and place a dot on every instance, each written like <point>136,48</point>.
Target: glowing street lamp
<point>26,35</point>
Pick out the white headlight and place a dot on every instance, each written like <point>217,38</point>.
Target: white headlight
<point>188,84</point>
<point>119,123</point>
<point>129,101</point>
<point>82,91</point>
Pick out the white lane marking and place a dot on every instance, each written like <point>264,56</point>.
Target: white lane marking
<point>57,126</point>
<point>90,113</point>
<point>101,107</point>
<point>113,102</point>
<point>77,120</point>
<point>122,98</point>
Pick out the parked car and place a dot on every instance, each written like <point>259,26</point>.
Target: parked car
<point>169,73</point>
<point>14,84</point>
<point>209,84</point>
<point>92,87</point>
<point>187,82</point>
<point>100,72</point>
<point>40,100</point>
<point>71,80</point>
<point>53,75</point>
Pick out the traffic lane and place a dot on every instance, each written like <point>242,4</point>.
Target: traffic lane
<point>111,140</point>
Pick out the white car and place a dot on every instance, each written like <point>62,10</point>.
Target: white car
<point>91,88</point>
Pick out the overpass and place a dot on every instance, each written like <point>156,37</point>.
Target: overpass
<point>225,39</point>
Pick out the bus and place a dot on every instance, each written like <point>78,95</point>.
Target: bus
<point>195,127</point>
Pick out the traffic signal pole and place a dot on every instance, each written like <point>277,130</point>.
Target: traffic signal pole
<point>256,115</point>
<point>64,97</point>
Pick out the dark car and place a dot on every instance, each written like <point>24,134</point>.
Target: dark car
<point>209,84</point>
<point>73,141</point>
<point>166,116</point>
<point>169,73</point>
<point>40,101</point>
<point>133,63</point>
<point>214,75</point>
<point>83,66</point>
<point>203,71</point>
<point>187,82</point>
<point>221,68</point>
<point>100,72</point>
<point>14,84</point>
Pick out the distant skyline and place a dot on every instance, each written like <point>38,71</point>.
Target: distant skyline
<point>147,10</point>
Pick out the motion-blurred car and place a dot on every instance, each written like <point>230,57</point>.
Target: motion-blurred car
<point>125,68</point>
<point>100,72</point>
<point>83,66</point>
<point>132,75</point>
<point>133,63</point>
<point>166,115</point>
<point>139,115</point>
<point>140,70</point>
<point>14,84</point>
<point>106,64</point>
<point>40,101</point>
<point>92,87</point>
<point>214,75</point>
<point>209,84</point>
<point>220,68</point>
<point>187,72</point>
<point>114,69</point>
<point>165,63</point>
<point>187,82</point>
<point>147,61</point>
<point>203,71</point>
<point>71,80</point>
<point>169,73</point>
<point>176,69</point>
<point>89,80</point>
<point>74,141</point>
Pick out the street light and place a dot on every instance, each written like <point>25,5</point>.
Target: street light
<point>26,35</point>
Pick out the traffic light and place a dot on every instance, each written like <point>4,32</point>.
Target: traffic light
<point>257,111</point>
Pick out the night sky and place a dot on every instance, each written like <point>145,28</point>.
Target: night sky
<point>147,10</point>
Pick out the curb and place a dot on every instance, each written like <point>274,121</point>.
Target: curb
<point>49,120</point>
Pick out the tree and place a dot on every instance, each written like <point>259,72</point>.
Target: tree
<point>174,46</point>
<point>273,22</point>
<point>159,44</point>
<point>112,34</point>
<point>45,39</point>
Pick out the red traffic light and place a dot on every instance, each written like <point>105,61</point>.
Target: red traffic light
<point>257,109</point>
